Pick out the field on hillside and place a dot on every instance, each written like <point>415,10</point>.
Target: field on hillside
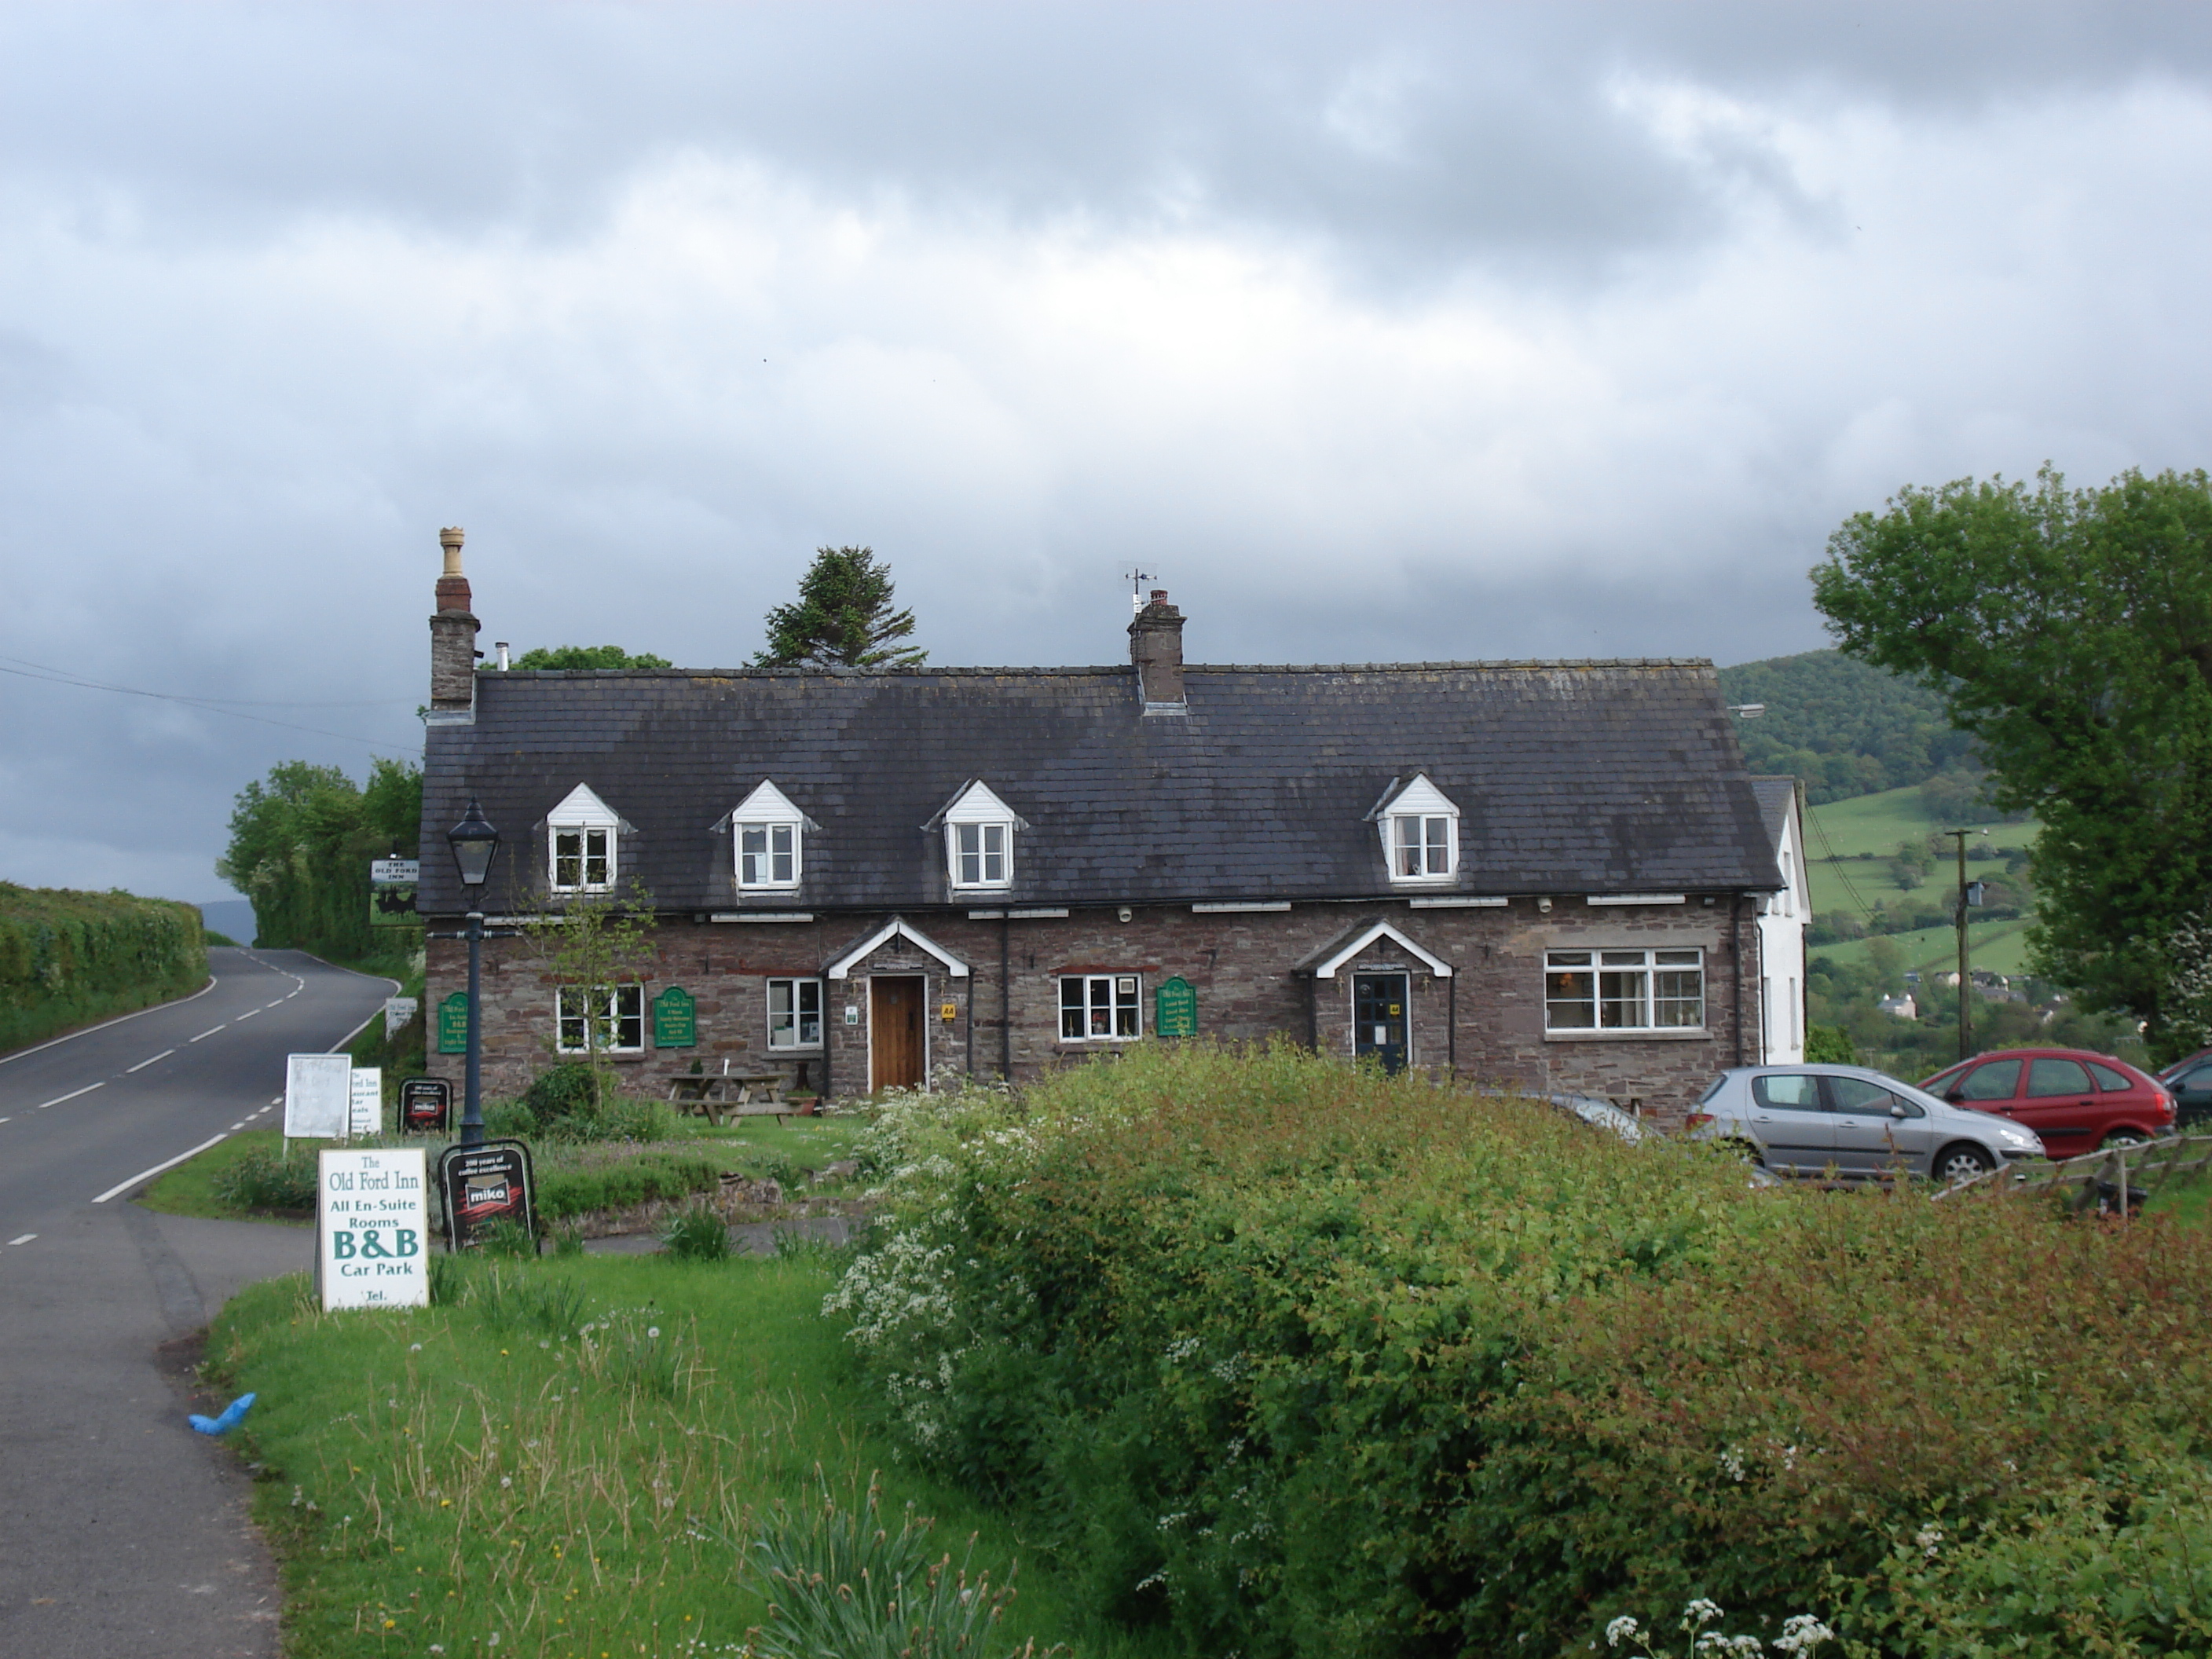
<point>1864,833</point>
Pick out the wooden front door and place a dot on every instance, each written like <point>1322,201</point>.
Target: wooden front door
<point>895,1038</point>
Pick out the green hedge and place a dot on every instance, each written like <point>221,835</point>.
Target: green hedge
<point>70,958</point>
<point>1298,1358</point>
<point>639,1180</point>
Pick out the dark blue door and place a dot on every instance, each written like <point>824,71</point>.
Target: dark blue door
<point>1378,1018</point>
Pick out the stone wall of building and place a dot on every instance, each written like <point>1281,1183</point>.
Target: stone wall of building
<point>1485,1023</point>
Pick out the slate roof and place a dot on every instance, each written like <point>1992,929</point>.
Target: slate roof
<point>1776,796</point>
<point>1570,777</point>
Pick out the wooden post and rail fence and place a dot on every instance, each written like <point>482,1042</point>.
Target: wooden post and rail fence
<point>2115,1178</point>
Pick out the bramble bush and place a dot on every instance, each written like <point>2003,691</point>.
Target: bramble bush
<point>1300,1358</point>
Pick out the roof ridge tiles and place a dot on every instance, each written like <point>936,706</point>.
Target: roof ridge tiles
<point>1118,670</point>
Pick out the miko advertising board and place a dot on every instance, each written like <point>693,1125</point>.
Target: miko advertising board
<point>484,1184</point>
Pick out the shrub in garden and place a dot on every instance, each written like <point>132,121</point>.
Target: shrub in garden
<point>695,1233</point>
<point>262,1180</point>
<point>1304,1359</point>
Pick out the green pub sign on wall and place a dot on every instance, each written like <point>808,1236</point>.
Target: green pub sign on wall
<point>675,1019</point>
<point>1174,1011</point>
<point>453,1024</point>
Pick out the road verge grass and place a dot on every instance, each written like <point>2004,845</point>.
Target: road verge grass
<point>497,1473</point>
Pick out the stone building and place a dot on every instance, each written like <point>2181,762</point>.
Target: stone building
<point>1545,874</point>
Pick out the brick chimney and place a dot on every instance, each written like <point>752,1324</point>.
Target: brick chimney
<point>453,636</point>
<point>1155,647</point>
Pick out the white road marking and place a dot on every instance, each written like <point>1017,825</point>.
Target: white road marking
<point>143,1064</point>
<point>4,1120</point>
<point>145,1175</point>
<point>210,1033</point>
<point>25,1239</point>
<point>87,1089</point>
<point>280,1001</point>
<point>235,1128</point>
<point>41,1047</point>
<point>248,1014</point>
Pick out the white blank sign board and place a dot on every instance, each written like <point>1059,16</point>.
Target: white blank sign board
<point>318,1096</point>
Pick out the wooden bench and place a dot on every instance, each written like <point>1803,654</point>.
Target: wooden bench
<point>729,1094</point>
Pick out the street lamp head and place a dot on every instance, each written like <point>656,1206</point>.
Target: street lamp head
<point>475,843</point>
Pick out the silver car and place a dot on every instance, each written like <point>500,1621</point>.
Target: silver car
<point>1808,1120</point>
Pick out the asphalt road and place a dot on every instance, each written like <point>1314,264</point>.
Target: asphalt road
<point>121,1531</point>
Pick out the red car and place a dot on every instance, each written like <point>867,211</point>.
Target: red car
<point>2074,1100</point>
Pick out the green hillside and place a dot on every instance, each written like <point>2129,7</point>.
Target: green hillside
<point>1857,879</point>
<point>1846,728</point>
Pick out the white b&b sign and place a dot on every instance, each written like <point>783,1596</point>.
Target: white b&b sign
<point>371,1229</point>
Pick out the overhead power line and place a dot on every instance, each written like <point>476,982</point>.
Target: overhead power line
<point>51,676</point>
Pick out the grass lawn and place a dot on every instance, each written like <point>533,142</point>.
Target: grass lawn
<point>189,1189</point>
<point>473,1478</point>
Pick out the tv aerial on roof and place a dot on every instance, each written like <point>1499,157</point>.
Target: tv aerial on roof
<point>1137,581</point>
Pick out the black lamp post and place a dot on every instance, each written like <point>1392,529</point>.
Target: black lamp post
<point>475,844</point>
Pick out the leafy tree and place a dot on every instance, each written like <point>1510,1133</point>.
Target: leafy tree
<point>301,843</point>
<point>2070,633</point>
<point>588,656</point>
<point>589,944</point>
<point>843,619</point>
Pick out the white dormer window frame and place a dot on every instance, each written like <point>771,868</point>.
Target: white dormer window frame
<point>767,835</point>
<point>582,844</point>
<point>1419,829</point>
<point>979,841</point>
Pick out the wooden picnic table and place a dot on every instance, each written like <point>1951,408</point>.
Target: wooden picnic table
<point>720,1094</point>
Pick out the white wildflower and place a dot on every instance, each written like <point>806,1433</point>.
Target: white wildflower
<point>1930,1540</point>
<point>1623,1629</point>
<point>1801,1633</point>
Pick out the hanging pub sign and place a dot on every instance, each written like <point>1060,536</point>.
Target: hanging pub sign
<point>370,1209</point>
<point>453,1024</point>
<point>425,1103</point>
<point>392,884</point>
<point>1174,1009</point>
<point>484,1184</point>
<point>675,1019</point>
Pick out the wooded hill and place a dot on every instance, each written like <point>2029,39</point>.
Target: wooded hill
<point>1844,728</point>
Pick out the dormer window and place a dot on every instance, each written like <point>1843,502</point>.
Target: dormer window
<point>581,836</point>
<point>979,855</point>
<point>770,834</point>
<point>979,840</point>
<point>1420,827</point>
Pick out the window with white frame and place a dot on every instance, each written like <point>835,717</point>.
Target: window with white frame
<point>581,837</point>
<point>583,859</point>
<point>979,854</point>
<point>770,834</point>
<point>609,1019</point>
<point>794,1013</point>
<point>1420,833</point>
<point>1624,990</point>
<point>979,839</point>
<point>1099,1007</point>
<point>1421,846</point>
<point>767,855</point>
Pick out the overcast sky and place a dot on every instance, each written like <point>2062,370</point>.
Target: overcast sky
<point>1371,331</point>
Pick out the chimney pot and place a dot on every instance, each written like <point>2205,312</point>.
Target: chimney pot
<point>1160,596</point>
<point>452,635</point>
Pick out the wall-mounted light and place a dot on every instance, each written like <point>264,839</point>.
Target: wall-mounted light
<point>1124,913</point>
<point>1544,906</point>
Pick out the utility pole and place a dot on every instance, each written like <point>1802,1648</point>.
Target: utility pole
<point>1966,894</point>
